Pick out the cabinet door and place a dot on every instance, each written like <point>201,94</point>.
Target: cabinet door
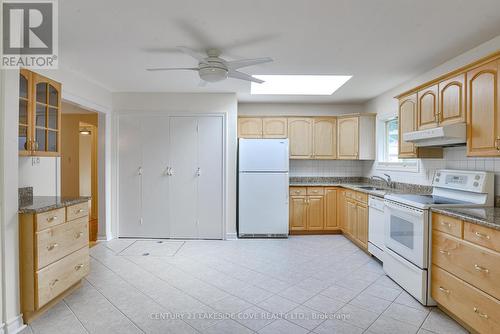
<point>362,224</point>
<point>348,137</point>
<point>25,117</point>
<point>331,222</point>
<point>452,100</point>
<point>341,209</point>
<point>300,137</point>
<point>427,106</point>
<point>183,183</point>
<point>483,136</point>
<point>210,174</point>
<point>46,109</point>
<point>298,213</point>
<point>274,127</point>
<point>407,118</point>
<point>130,176</point>
<point>315,213</point>
<point>325,138</point>
<point>351,217</point>
<point>250,127</point>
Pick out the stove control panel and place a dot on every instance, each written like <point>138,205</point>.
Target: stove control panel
<point>474,181</point>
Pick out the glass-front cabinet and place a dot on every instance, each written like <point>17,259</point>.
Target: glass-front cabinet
<point>39,115</point>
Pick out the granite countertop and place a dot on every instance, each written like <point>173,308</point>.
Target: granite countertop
<point>47,203</point>
<point>488,217</point>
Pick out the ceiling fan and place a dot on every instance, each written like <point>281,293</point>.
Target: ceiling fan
<point>212,68</point>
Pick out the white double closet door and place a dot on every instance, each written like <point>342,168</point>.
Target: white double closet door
<point>171,177</point>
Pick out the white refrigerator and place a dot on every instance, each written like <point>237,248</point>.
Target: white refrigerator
<point>263,188</point>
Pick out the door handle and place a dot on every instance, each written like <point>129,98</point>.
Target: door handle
<point>139,171</point>
<point>198,171</point>
<point>166,172</point>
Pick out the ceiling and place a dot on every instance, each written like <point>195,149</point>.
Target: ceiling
<point>381,43</point>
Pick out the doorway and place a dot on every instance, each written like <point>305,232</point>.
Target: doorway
<point>79,159</point>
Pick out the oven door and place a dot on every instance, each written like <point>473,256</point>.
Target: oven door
<point>406,232</point>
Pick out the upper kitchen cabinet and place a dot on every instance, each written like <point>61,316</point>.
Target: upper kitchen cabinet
<point>39,115</point>
<point>300,133</point>
<point>452,100</point>
<point>25,117</point>
<point>351,145</point>
<point>427,108</point>
<point>250,127</point>
<point>324,138</point>
<point>274,127</point>
<point>407,115</point>
<point>483,87</point>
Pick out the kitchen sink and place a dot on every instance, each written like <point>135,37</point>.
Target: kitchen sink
<point>372,188</point>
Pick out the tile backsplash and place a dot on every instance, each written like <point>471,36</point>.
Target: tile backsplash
<point>325,168</point>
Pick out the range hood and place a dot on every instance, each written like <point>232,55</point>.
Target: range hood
<point>448,135</point>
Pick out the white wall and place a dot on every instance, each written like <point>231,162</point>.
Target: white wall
<point>386,106</point>
<point>132,103</point>
<point>41,173</point>
<point>297,109</point>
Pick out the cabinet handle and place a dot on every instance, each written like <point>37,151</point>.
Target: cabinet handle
<point>448,225</point>
<point>481,235</point>
<point>54,282</point>
<point>479,313</point>
<point>297,191</point>
<point>482,269</point>
<point>314,191</point>
<point>51,219</point>
<point>79,211</point>
<point>497,146</point>
<point>79,266</point>
<point>139,171</point>
<point>78,235</point>
<point>198,171</point>
<point>36,145</point>
<point>444,290</point>
<point>442,251</point>
<point>52,246</point>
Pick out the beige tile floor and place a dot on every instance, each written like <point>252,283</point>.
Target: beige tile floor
<point>310,284</point>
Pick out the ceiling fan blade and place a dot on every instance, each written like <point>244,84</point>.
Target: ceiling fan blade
<point>235,64</point>
<point>194,54</point>
<point>172,69</point>
<point>243,76</point>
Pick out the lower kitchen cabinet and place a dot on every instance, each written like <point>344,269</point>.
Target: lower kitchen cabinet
<point>356,225</point>
<point>331,198</point>
<point>315,213</point>
<point>298,213</point>
<point>362,224</point>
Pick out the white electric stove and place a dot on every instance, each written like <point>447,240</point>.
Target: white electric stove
<point>408,219</point>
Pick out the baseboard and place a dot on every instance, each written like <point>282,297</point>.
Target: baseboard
<point>15,325</point>
<point>231,236</point>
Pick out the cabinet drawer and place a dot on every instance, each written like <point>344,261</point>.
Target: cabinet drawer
<point>483,236</point>
<point>475,265</point>
<point>477,309</point>
<point>315,190</point>
<point>447,224</point>
<point>77,211</point>
<point>298,191</point>
<point>57,242</point>
<point>350,194</point>
<point>361,197</point>
<point>59,276</point>
<point>50,218</point>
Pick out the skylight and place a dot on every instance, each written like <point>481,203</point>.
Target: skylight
<point>298,84</point>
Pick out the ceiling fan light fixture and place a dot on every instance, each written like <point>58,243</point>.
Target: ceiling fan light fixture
<point>298,84</point>
<point>213,74</point>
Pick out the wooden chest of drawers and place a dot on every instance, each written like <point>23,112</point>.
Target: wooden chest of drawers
<point>54,256</point>
<point>465,273</point>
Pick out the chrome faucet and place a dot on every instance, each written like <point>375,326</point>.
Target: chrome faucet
<point>387,181</point>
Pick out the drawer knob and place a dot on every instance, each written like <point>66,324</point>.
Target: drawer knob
<point>78,235</point>
<point>54,282</point>
<point>479,313</point>
<point>52,246</point>
<point>51,219</point>
<point>482,236</point>
<point>297,191</point>
<point>444,290</point>
<point>80,211</point>
<point>445,252</point>
<point>482,269</point>
<point>79,266</point>
<point>448,225</point>
<point>314,191</point>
